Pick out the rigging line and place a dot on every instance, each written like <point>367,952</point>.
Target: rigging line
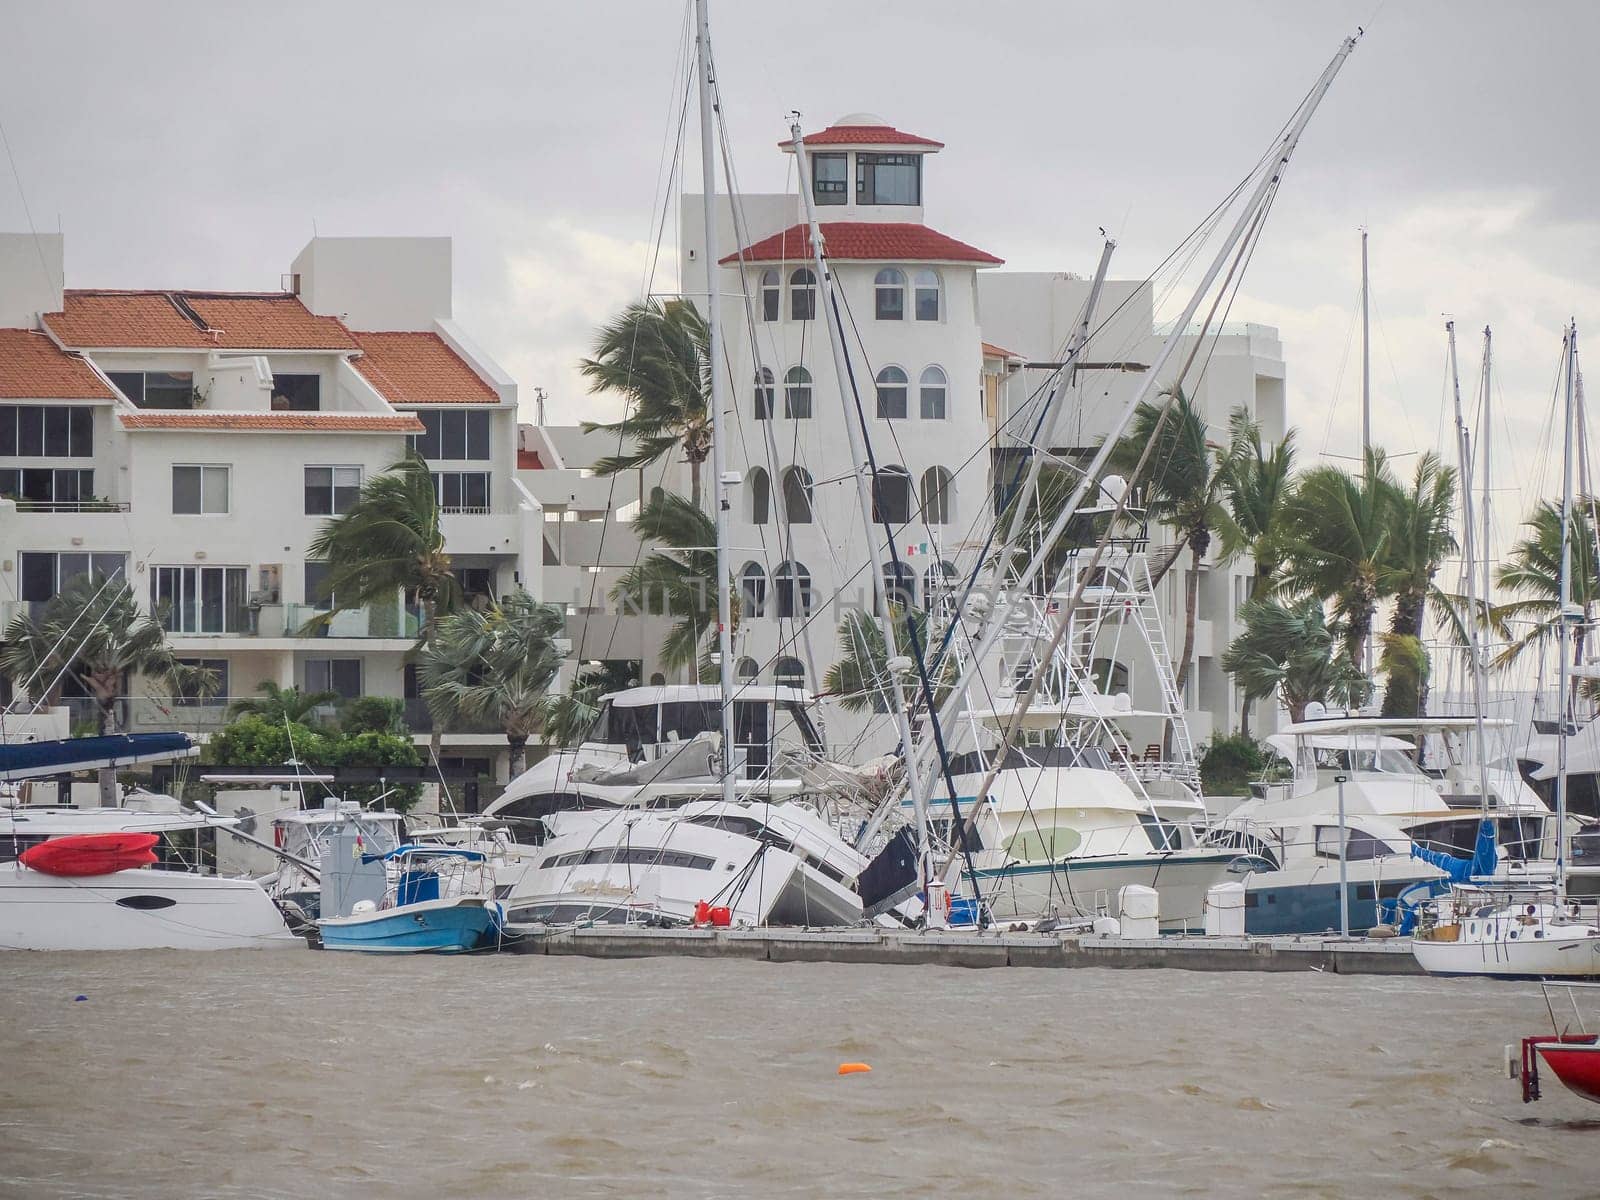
<point>1338,379</point>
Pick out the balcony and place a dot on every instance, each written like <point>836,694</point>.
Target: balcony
<point>72,506</point>
<point>419,720</point>
<point>261,623</point>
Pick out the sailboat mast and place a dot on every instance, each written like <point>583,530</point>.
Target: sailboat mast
<point>1485,432</point>
<point>1480,689</point>
<point>1563,628</point>
<point>1366,355</point>
<point>719,393</point>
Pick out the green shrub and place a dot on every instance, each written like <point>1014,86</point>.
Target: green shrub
<point>372,714</point>
<point>1230,764</point>
<point>253,741</point>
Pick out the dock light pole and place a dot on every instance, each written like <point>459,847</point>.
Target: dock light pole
<point>1344,860</point>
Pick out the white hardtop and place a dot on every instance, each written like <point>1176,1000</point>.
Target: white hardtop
<point>686,693</point>
<point>324,816</point>
<point>1390,725</point>
<point>62,821</point>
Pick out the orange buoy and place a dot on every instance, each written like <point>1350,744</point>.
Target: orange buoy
<point>853,1068</point>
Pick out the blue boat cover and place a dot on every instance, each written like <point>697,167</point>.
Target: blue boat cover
<point>412,848</point>
<point>34,760</point>
<point>1483,861</point>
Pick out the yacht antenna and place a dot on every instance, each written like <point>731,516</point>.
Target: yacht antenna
<point>719,392</point>
<point>1464,452</point>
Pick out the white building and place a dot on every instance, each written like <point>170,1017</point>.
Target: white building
<point>195,441</point>
<point>943,348</point>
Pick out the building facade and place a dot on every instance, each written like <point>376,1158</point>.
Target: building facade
<point>194,442</point>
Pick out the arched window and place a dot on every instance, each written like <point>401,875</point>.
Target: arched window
<point>927,295</point>
<point>899,584</point>
<point>746,670</point>
<point>938,582</point>
<point>797,496</point>
<point>766,394</point>
<point>792,584</point>
<point>752,590</point>
<point>760,496</point>
<point>937,491</point>
<point>797,394</point>
<point>892,388</point>
<point>933,389</point>
<point>802,295</point>
<point>891,495</point>
<point>771,294</point>
<point>789,672</point>
<point>889,295</point>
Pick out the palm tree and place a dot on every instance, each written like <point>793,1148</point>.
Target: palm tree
<point>282,705</point>
<point>495,664</point>
<point>1257,486</point>
<point>859,680</point>
<point>676,581</point>
<point>1531,572</point>
<point>1183,484</point>
<point>1337,543</point>
<point>1289,649</point>
<point>1420,539</point>
<point>390,542</point>
<point>657,356</point>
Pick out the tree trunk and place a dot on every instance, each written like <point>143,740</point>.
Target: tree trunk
<point>519,753</point>
<point>1191,600</point>
<point>1244,718</point>
<point>436,734</point>
<point>694,481</point>
<point>1160,572</point>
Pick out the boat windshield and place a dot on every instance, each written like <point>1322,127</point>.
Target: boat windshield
<point>309,839</point>
<point>1370,760</point>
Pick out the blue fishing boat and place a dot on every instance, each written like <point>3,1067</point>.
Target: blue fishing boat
<point>409,900</point>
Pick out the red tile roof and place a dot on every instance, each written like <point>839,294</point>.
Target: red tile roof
<point>990,350</point>
<point>32,367</point>
<point>869,241</point>
<point>246,422</point>
<point>864,135</point>
<point>419,368</point>
<point>194,320</point>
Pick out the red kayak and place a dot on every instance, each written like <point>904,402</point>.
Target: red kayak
<point>1575,1059</point>
<point>91,853</point>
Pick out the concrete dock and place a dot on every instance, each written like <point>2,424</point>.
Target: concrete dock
<point>1356,956</point>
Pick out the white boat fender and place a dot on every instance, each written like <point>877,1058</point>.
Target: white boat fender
<point>1107,927</point>
<point>362,906</point>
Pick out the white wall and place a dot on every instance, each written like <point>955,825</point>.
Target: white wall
<point>29,286</point>
<point>377,282</point>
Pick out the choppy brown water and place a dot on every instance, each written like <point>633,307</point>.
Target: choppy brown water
<point>302,1074</point>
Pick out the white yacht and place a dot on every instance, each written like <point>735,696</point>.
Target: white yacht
<point>1390,805</point>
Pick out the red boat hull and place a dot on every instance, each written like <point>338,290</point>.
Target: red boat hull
<point>1575,1059</point>
<point>90,854</point>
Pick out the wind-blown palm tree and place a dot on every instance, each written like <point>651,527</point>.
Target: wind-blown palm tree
<point>1531,572</point>
<point>1420,539</point>
<point>280,705</point>
<point>676,580</point>
<point>1257,485</point>
<point>495,664</point>
<point>1338,542</point>
<point>657,357</point>
<point>1183,483</point>
<point>390,542</point>
<point>1289,649</point>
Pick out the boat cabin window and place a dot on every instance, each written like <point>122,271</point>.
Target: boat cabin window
<point>1368,759</point>
<point>637,856</point>
<point>1163,835</point>
<point>1359,844</point>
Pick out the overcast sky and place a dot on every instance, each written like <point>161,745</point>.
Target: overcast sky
<point>199,144</point>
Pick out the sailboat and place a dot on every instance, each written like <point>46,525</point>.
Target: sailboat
<point>1484,927</point>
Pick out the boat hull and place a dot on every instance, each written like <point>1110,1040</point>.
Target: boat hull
<point>1575,957</point>
<point>1576,1064</point>
<point>451,926</point>
<point>139,909</point>
<point>1024,891</point>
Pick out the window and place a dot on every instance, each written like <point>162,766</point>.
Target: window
<point>461,491</point>
<point>797,496</point>
<point>802,295</point>
<point>747,670</point>
<point>830,178</point>
<point>318,593</point>
<point>330,491</point>
<point>454,436</point>
<point>34,431</point>
<point>899,584</point>
<point>156,389</point>
<point>792,584</point>
<point>891,496</point>
<point>200,490</point>
<point>200,599</point>
<point>760,496</point>
<point>888,179</point>
<point>47,485</point>
<point>44,574</point>
<point>477,584</point>
<point>797,394</point>
<point>216,670</point>
<point>766,394</point>
<point>892,391</point>
<point>752,590</point>
<point>936,489</point>
<point>932,390</point>
<point>938,582</point>
<point>927,295</point>
<point>771,294</point>
<point>889,295</point>
<point>341,676</point>
<point>789,672</point>
<point>296,393</point>
<point>1109,676</point>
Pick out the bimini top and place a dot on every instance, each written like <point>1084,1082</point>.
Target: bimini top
<point>704,693</point>
<point>1390,725</point>
<point>34,760</point>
